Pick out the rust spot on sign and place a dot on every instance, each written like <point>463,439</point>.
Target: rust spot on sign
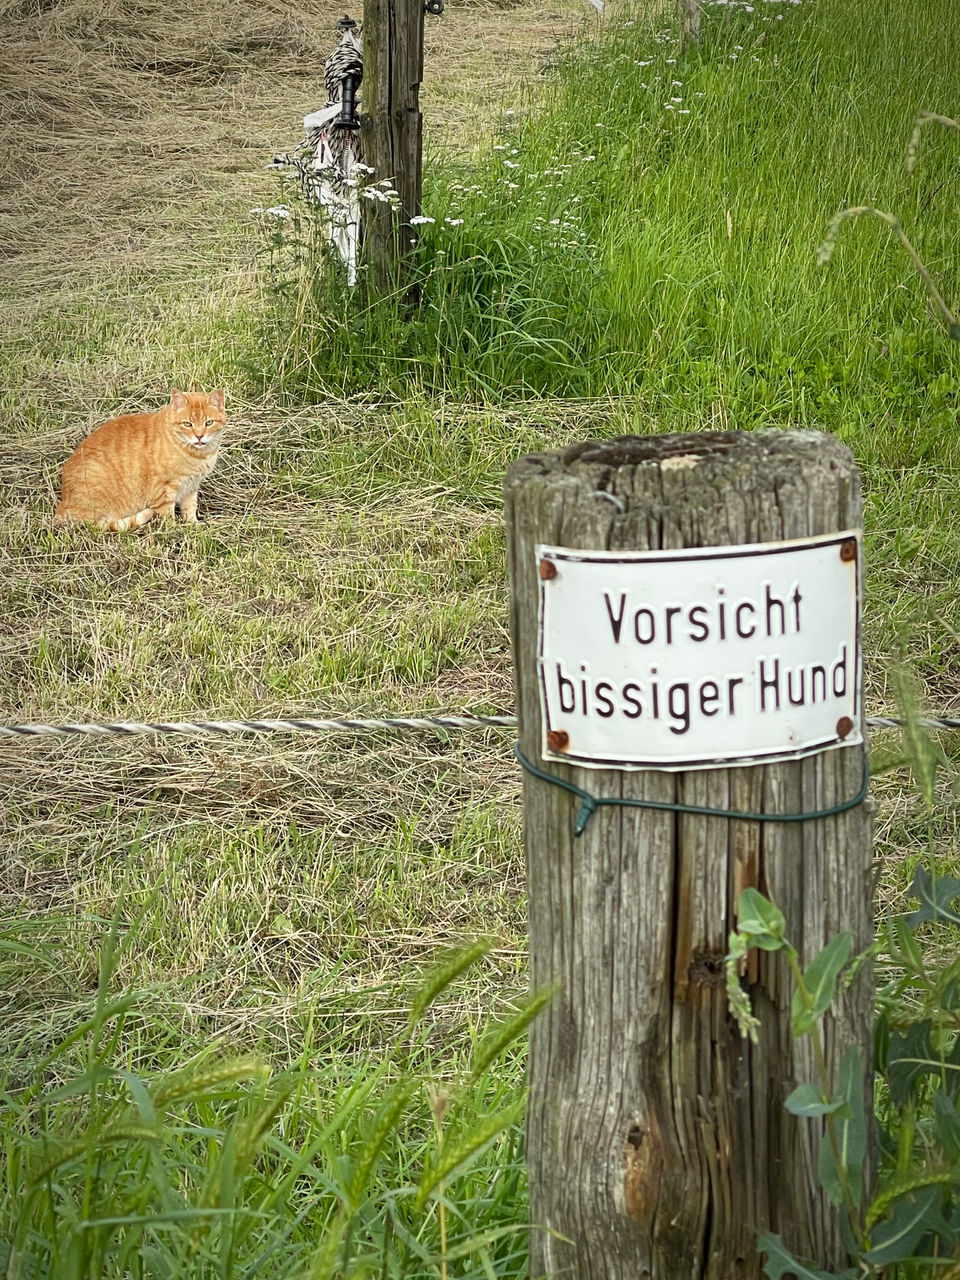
<point>848,549</point>
<point>558,739</point>
<point>548,570</point>
<point>844,725</point>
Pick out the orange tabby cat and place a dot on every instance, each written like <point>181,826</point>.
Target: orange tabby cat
<point>144,464</point>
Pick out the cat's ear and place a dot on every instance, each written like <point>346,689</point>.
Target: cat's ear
<point>216,399</point>
<point>178,401</point>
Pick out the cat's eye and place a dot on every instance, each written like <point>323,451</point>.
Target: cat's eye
<point>210,423</point>
<point>188,425</point>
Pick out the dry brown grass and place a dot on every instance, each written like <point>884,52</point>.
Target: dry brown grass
<point>350,560</point>
<point>131,132</point>
<point>135,139</point>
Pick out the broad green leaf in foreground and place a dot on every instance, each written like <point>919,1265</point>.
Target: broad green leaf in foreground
<point>781,1262</point>
<point>820,980</point>
<point>849,1126</point>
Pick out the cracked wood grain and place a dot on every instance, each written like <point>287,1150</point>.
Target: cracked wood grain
<point>657,1142</point>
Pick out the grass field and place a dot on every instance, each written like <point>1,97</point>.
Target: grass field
<point>208,948</point>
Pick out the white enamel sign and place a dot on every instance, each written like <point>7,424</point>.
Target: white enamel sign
<point>698,658</point>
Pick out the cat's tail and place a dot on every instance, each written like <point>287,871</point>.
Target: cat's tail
<point>116,524</point>
<point>129,522</point>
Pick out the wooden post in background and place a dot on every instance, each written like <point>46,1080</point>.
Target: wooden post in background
<point>690,15</point>
<point>658,1144</point>
<point>392,131</point>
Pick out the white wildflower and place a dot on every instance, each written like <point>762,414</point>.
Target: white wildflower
<point>419,219</point>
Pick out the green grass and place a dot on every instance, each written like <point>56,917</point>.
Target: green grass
<point>612,245</point>
<point>222,1168</point>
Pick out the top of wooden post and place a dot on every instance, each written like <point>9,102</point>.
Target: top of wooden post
<point>702,470</point>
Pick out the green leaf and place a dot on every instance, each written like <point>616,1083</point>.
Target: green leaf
<point>204,1080</point>
<point>954,331</point>
<point>113,1135</point>
<point>895,1239</point>
<point>455,1158</point>
<point>849,1128</point>
<point>141,1097</point>
<point>781,1262</point>
<point>253,1132</point>
<point>909,1056</point>
<point>924,756</point>
<point>31,953</point>
<point>806,1100</point>
<point>947,1124</point>
<point>758,917</point>
<point>907,949</point>
<point>440,977</point>
<point>385,1122</point>
<point>174,1215</point>
<point>950,995</point>
<point>935,894</point>
<point>820,980</point>
<point>503,1034</point>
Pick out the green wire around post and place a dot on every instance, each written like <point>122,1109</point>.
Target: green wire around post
<point>589,804</point>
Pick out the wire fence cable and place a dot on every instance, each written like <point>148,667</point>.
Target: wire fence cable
<point>129,727</point>
<point>311,725</point>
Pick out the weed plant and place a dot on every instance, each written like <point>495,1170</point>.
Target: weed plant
<point>649,226</point>
<point>906,1226</point>
<point>219,1168</point>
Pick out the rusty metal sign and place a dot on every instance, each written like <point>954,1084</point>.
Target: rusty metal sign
<point>698,658</point>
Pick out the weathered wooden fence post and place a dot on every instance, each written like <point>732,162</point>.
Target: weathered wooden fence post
<point>690,15</point>
<point>657,1141</point>
<point>392,130</point>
